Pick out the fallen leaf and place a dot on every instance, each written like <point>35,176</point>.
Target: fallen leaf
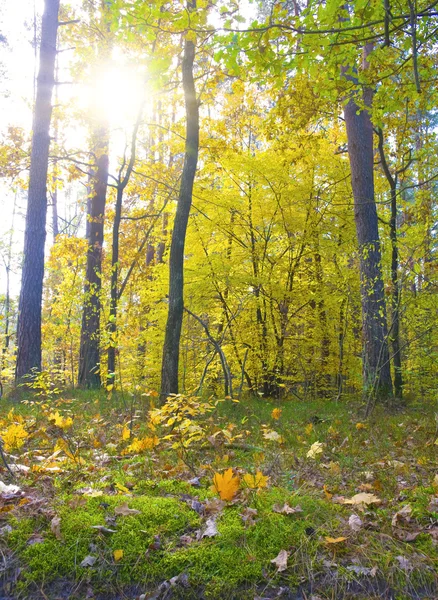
<point>404,563</point>
<point>363,498</point>
<point>338,540</point>
<point>103,529</point>
<point>88,561</point>
<point>214,506</point>
<point>273,436</point>
<point>248,515</point>
<point>315,449</point>
<point>280,561</point>
<point>433,505</point>
<point>55,527</point>
<point>404,514</point>
<point>276,413</point>
<point>118,555</point>
<point>286,509</point>
<point>256,481</point>
<point>211,528</point>
<point>406,536</point>
<point>226,485</point>
<point>124,510</point>
<point>355,523</point>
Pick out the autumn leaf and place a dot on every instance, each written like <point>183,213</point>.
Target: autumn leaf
<point>338,540</point>
<point>256,481</point>
<point>272,436</point>
<point>55,527</point>
<point>360,426</point>
<point>210,529</point>
<point>13,437</point>
<point>286,509</point>
<point>276,413</point>
<point>315,449</point>
<point>60,421</point>
<point>355,523</point>
<point>118,555</point>
<point>280,561</point>
<point>124,510</point>
<point>363,498</point>
<point>126,433</point>
<point>226,485</point>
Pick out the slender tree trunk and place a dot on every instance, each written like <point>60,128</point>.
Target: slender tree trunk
<point>169,372</point>
<point>29,322</point>
<point>395,291</point>
<point>376,367</point>
<point>89,352</point>
<point>112,324</point>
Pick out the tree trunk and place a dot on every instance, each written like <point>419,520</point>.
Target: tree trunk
<point>89,352</point>
<point>169,371</point>
<point>29,322</point>
<point>376,367</point>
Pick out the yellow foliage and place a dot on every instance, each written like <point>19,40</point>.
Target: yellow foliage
<point>276,413</point>
<point>256,481</point>
<point>141,444</point>
<point>60,421</point>
<point>226,485</point>
<point>14,436</point>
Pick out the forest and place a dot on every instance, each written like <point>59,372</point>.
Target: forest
<point>218,299</point>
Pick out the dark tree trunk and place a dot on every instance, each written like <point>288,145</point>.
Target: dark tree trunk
<point>29,322</point>
<point>169,371</point>
<point>376,367</point>
<point>114,298</point>
<point>395,291</point>
<point>89,352</point>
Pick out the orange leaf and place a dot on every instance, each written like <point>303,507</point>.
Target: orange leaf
<point>226,485</point>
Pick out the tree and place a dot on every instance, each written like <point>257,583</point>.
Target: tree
<point>89,354</point>
<point>30,303</point>
<point>376,365</point>
<point>170,362</point>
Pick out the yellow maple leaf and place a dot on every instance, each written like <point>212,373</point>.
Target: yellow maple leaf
<point>256,481</point>
<point>14,436</point>
<point>60,421</point>
<point>315,449</point>
<point>118,554</point>
<point>226,485</point>
<point>337,540</point>
<point>360,426</point>
<point>126,433</point>
<point>276,413</point>
<point>308,429</point>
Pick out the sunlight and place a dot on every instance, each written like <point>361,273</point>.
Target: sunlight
<point>117,94</point>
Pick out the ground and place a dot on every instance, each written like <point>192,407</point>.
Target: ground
<point>114,498</point>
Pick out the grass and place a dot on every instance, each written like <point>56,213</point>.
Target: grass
<point>83,472</point>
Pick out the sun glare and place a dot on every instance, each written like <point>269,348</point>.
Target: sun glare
<point>116,94</point>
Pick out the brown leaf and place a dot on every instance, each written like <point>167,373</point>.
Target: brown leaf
<point>248,515</point>
<point>406,536</point>
<point>214,506</point>
<point>404,514</point>
<point>55,526</point>
<point>286,509</point>
<point>280,561</point>
<point>124,510</point>
<point>355,523</point>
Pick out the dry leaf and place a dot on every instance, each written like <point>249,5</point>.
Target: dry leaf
<point>315,449</point>
<point>118,555</point>
<point>286,509</point>
<point>214,506</point>
<point>355,522</point>
<point>55,526</point>
<point>88,561</point>
<point>226,485</point>
<point>280,561</point>
<point>363,498</point>
<point>256,481</point>
<point>337,540</point>
<point>248,515</point>
<point>123,510</point>
<point>403,514</point>
<point>211,528</point>
<point>406,536</point>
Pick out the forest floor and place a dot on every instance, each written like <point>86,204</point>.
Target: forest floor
<point>234,500</point>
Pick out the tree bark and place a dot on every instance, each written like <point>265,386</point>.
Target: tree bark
<point>89,352</point>
<point>376,368</point>
<point>169,371</point>
<point>29,321</point>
